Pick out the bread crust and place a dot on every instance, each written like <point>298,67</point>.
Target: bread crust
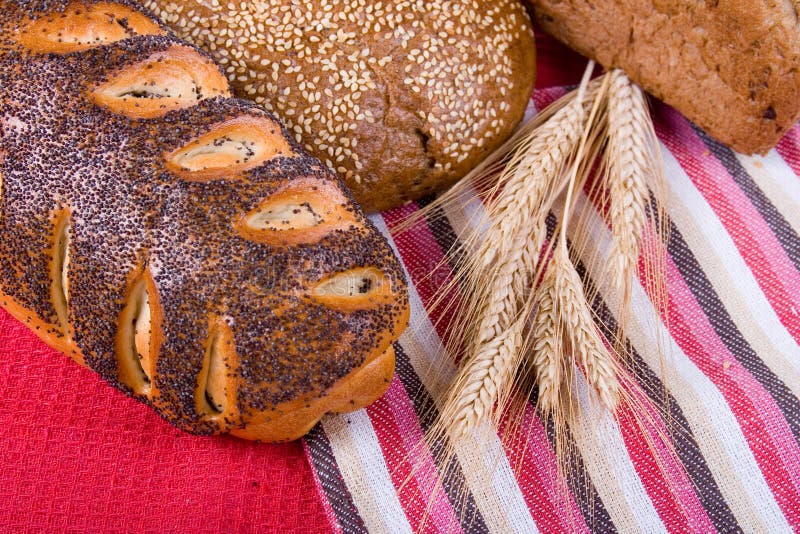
<point>195,76</point>
<point>730,66</point>
<point>400,98</point>
<point>81,27</point>
<point>295,418</point>
<point>166,299</point>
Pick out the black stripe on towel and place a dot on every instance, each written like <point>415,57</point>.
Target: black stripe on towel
<point>324,463</point>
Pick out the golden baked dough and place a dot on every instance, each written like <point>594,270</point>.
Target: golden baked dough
<point>401,98</point>
<point>176,240</point>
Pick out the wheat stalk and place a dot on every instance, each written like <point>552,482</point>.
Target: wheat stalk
<point>491,368</point>
<point>517,210</point>
<point>547,350</point>
<point>579,328</point>
<point>629,161</point>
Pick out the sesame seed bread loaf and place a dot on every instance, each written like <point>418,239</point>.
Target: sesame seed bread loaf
<point>730,66</point>
<point>176,240</point>
<point>400,97</point>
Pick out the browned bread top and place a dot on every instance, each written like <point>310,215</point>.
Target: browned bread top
<point>731,66</point>
<point>179,241</point>
<point>402,98</point>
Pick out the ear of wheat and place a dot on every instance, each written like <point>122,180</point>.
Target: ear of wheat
<point>581,332</point>
<point>631,161</point>
<point>634,181</point>
<point>546,358</point>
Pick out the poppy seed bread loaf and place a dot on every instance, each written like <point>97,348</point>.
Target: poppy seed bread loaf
<point>176,240</point>
<point>401,97</point>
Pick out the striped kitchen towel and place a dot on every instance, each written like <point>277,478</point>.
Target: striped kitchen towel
<point>731,333</point>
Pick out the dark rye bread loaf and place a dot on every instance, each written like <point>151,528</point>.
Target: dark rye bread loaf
<point>178,241</point>
<point>731,66</point>
<point>401,97</point>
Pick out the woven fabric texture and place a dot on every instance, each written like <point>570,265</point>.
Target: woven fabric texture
<point>80,456</point>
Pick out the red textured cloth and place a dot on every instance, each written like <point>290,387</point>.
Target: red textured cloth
<point>80,455</point>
